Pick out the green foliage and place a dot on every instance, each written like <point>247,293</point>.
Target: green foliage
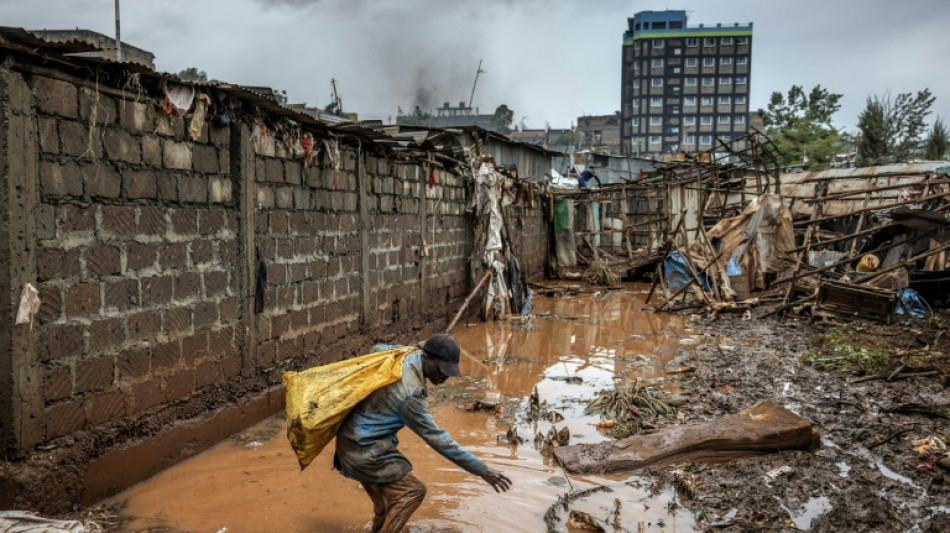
<point>503,118</point>
<point>838,351</point>
<point>800,125</point>
<point>193,74</point>
<point>935,148</point>
<point>891,128</point>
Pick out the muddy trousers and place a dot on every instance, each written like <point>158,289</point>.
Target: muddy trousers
<point>394,503</point>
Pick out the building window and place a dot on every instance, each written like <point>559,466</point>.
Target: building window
<point>656,121</point>
<point>674,130</point>
<point>689,140</point>
<point>724,100</point>
<point>677,51</point>
<point>656,82</point>
<point>692,42</point>
<point>690,101</point>
<point>740,80</point>
<point>636,27</point>
<point>709,61</point>
<point>689,121</point>
<point>676,24</point>
<point>657,63</point>
<point>708,82</point>
<point>725,60</point>
<point>707,100</point>
<point>692,61</point>
<point>740,119</point>
<point>742,40</point>
<point>705,140</point>
<point>656,102</point>
<point>726,41</point>
<point>635,121</point>
<point>740,100</point>
<point>654,139</point>
<point>724,119</point>
<point>742,60</point>
<point>659,25</point>
<point>725,80</point>
<point>725,138</point>
<point>706,120</point>
<point>636,65</point>
<point>636,83</point>
<point>657,43</point>
<point>690,82</point>
<point>709,42</point>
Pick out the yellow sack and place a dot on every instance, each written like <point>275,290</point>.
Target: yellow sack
<point>319,398</point>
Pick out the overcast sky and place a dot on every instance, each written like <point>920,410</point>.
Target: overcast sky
<point>550,61</point>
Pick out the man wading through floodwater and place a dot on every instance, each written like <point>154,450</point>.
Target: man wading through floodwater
<point>366,441</point>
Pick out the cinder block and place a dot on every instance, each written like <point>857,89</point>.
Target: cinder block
<point>96,106</point>
<point>55,97</point>
<point>140,184</point>
<point>57,264</point>
<point>49,135</point>
<point>152,150</point>
<point>105,334</point>
<point>102,180</point>
<point>64,417</point>
<point>102,260</point>
<point>194,189</point>
<point>152,221</point>
<point>177,155</point>
<point>205,159</point>
<point>82,300</point>
<point>104,407</point>
<point>221,190</point>
<point>133,115</point>
<point>121,146</point>
<point>57,382</point>
<point>60,179</point>
<point>94,374</point>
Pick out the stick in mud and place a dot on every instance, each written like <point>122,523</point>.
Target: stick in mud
<point>467,300</point>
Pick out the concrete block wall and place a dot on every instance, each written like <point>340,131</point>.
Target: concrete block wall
<point>135,259</point>
<point>146,246</point>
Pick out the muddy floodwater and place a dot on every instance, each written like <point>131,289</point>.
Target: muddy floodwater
<point>573,347</point>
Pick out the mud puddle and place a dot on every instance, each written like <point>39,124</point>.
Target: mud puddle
<point>574,347</point>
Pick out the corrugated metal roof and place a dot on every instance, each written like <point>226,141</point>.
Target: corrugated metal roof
<point>800,187</point>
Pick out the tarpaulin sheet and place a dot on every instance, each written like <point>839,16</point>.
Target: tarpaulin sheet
<point>319,398</point>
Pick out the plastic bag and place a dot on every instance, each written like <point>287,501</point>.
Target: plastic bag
<point>319,398</point>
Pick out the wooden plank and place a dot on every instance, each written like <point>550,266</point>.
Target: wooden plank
<point>765,427</point>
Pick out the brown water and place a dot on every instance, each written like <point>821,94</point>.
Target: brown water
<point>251,482</point>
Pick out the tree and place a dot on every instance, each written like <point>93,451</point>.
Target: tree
<point>193,74</point>
<point>502,119</point>
<point>800,126</point>
<point>935,148</point>
<point>891,128</point>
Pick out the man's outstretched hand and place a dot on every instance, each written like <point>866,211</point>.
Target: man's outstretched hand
<point>497,480</point>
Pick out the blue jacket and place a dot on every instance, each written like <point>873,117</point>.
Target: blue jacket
<point>366,441</point>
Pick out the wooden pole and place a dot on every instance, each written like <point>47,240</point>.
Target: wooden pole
<point>467,301</point>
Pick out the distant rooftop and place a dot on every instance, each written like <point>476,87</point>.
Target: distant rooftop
<point>673,23</point>
<point>105,44</point>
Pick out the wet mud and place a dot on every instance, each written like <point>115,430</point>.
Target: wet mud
<point>570,350</point>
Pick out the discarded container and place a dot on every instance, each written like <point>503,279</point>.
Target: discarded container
<point>606,424</point>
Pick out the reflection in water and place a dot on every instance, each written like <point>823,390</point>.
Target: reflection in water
<point>587,344</point>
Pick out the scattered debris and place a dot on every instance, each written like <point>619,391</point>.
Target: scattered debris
<point>628,411</point>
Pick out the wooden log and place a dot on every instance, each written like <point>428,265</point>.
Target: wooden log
<point>765,427</point>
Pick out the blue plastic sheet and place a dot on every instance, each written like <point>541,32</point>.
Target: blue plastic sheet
<point>909,302</point>
<point>676,270</point>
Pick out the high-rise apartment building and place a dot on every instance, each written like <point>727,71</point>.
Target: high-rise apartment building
<point>683,86</point>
